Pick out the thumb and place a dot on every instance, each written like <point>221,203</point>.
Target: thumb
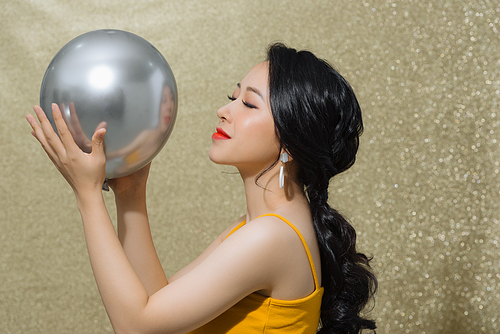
<point>98,141</point>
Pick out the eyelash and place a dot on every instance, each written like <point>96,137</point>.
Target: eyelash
<point>248,105</point>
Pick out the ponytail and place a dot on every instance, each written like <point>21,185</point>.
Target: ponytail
<point>318,122</point>
<point>345,272</point>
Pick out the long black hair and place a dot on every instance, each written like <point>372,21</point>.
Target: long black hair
<point>318,122</point>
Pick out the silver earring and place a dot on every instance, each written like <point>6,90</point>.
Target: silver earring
<point>284,159</point>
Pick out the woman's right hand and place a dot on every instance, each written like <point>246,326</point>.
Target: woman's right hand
<point>131,184</point>
<point>85,172</point>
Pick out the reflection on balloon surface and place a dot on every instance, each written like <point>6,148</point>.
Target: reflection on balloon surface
<point>117,80</point>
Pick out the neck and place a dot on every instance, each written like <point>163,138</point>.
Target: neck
<point>265,195</point>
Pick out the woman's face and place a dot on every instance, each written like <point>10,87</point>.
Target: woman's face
<point>245,136</point>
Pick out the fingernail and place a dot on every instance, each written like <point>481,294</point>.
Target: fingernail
<point>28,119</point>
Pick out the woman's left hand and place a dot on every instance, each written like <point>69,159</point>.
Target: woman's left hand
<point>84,172</point>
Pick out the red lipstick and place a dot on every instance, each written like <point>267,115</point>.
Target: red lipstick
<point>220,135</point>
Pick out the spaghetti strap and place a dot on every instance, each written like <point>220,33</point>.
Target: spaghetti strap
<point>235,229</point>
<point>309,256</point>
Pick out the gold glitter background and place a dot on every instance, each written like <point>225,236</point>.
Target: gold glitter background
<point>424,195</point>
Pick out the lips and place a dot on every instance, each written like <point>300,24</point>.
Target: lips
<point>220,135</point>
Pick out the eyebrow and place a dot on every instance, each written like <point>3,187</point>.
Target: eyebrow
<point>253,89</point>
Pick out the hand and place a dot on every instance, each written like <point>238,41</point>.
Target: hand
<point>83,171</point>
<point>132,183</point>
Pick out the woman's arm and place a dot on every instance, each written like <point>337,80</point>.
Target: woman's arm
<point>133,229</point>
<point>123,293</point>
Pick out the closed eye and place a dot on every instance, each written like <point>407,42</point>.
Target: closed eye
<point>249,105</point>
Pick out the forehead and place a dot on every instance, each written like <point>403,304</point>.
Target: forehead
<point>257,77</point>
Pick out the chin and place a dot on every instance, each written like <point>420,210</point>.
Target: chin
<point>213,156</point>
<point>219,160</point>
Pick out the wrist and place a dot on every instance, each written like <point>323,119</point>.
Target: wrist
<point>130,198</point>
<point>89,199</point>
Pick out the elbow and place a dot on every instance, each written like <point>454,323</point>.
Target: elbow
<point>128,326</point>
<point>129,330</point>
<point>137,326</point>
<point>123,329</point>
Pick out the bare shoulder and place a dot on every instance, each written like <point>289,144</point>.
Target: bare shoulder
<point>264,237</point>
<point>276,249</point>
<point>269,236</point>
<point>281,227</point>
<point>266,228</point>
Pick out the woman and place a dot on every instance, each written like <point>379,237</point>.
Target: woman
<point>291,124</point>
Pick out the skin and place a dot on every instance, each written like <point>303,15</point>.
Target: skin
<point>264,256</point>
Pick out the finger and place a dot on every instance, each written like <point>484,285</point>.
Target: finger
<point>49,134</point>
<point>38,134</point>
<point>37,131</point>
<point>98,144</point>
<point>101,125</point>
<point>64,133</point>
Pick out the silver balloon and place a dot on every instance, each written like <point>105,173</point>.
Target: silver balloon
<point>117,80</point>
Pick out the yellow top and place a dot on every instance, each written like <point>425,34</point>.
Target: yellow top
<point>259,314</point>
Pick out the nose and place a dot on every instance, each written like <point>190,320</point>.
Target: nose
<point>224,113</point>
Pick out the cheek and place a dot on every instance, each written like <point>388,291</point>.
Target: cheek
<point>257,126</point>
<point>261,133</point>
